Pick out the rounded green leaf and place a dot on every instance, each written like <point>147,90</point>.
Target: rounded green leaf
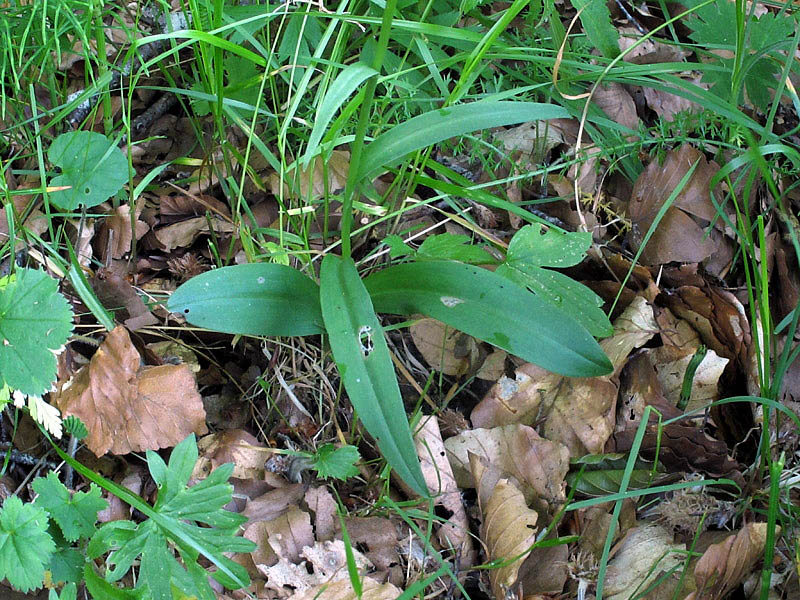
<point>93,167</point>
<point>491,308</point>
<point>35,323</point>
<point>254,299</point>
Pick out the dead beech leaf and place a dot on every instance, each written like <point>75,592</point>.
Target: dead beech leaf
<point>128,410</point>
<point>614,100</point>
<point>290,579</point>
<point>724,566</point>
<point>117,226</point>
<point>311,182</point>
<point>343,590</point>
<point>321,502</point>
<point>183,233</point>
<point>531,142</point>
<point>444,348</point>
<point>678,237</point>
<point>232,446</point>
<point>116,294</point>
<point>642,556</point>
<point>704,385</point>
<point>442,484</point>
<point>537,464</point>
<point>508,530</point>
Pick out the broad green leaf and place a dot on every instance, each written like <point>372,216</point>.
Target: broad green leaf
<point>365,365</point>
<point>596,21</point>
<point>76,514</point>
<point>449,246</point>
<point>602,474</point>
<point>25,546</point>
<point>532,248</point>
<point>491,308</point>
<point>91,165</point>
<point>35,323</point>
<point>345,84</point>
<point>253,299</point>
<point>438,125</point>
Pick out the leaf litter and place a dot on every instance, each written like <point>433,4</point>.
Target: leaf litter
<point>501,480</point>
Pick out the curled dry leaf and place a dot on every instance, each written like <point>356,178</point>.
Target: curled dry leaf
<point>642,556</point>
<point>322,503</point>
<point>115,232</point>
<point>131,410</point>
<point>236,446</point>
<point>116,294</point>
<point>453,533</point>
<point>508,530</point>
<point>578,412</point>
<point>538,465</point>
<point>343,590</point>
<point>311,182</point>
<point>704,385</point>
<point>444,348</point>
<point>724,566</point>
<point>183,233</point>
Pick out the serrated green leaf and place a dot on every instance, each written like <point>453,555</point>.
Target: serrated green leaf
<point>532,248</point>
<point>339,463</point>
<point>75,427</point>
<point>253,299</point>
<point>493,309</point>
<point>365,365</point>
<point>35,323</point>
<point>91,165</point>
<point>25,546</point>
<point>75,514</point>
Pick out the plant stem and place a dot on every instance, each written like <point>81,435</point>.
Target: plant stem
<point>351,187</point>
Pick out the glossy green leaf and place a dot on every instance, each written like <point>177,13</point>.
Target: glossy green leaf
<point>253,299</point>
<point>602,474</point>
<point>491,308</point>
<point>443,123</point>
<point>532,248</point>
<point>91,164</point>
<point>365,365</point>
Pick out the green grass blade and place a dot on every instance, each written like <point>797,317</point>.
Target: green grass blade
<point>362,356</point>
<point>491,308</point>
<point>345,84</point>
<point>253,299</point>
<point>438,125</point>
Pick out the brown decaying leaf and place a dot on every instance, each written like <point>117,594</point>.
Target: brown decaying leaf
<point>117,225</point>
<point>723,566</point>
<point>322,503</point>
<point>641,556</point>
<point>577,412</point>
<point>116,294</point>
<point>444,348</point>
<point>183,233</point>
<point>130,410</point>
<point>617,104</point>
<point>454,533</point>
<point>312,180</point>
<point>515,451</point>
<point>678,237</point>
<point>508,530</point>
<point>343,590</point>
<point>232,446</point>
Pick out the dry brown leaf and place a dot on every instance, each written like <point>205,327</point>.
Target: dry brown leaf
<point>539,465</point>
<point>116,294</point>
<point>444,348</point>
<point>531,142</point>
<point>678,236</point>
<point>723,566</point>
<point>454,533</point>
<point>321,502</point>
<point>641,557</point>
<point>617,104</point>
<point>704,385</point>
<point>232,446</point>
<point>508,530</point>
<point>272,504</point>
<point>343,590</point>
<point>117,226</point>
<point>290,579</point>
<point>128,410</point>
<point>312,180</point>
<point>183,233</point>
<point>377,536</point>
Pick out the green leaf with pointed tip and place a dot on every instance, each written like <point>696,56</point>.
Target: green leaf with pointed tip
<point>35,322</point>
<point>253,299</point>
<point>532,248</point>
<point>491,308</point>
<point>437,125</point>
<point>365,365</point>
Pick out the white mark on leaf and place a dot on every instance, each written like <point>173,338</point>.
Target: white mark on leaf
<point>365,340</point>
<point>450,301</point>
<point>260,280</point>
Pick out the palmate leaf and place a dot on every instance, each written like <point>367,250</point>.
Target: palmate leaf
<point>76,514</point>
<point>35,322</point>
<point>253,299</point>
<point>491,308</point>
<point>361,353</point>
<point>25,546</point>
